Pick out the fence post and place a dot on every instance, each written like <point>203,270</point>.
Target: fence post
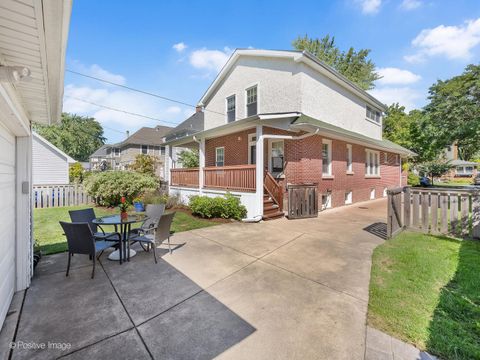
<point>406,207</point>
<point>389,214</point>
<point>476,215</point>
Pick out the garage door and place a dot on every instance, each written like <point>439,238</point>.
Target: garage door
<point>7,214</point>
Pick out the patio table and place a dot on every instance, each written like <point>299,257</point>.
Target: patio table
<point>123,226</point>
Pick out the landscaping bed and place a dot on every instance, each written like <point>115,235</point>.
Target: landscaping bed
<point>49,235</point>
<point>426,290</point>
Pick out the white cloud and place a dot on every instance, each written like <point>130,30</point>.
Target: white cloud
<point>410,4</point>
<point>180,47</point>
<point>210,59</point>
<point>396,76</point>
<point>173,110</point>
<point>98,72</point>
<point>415,58</point>
<point>370,6</point>
<point>406,96</point>
<point>453,42</point>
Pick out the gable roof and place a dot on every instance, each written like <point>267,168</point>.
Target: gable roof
<point>48,144</point>
<point>190,126</point>
<point>101,151</point>
<point>146,136</point>
<point>296,56</point>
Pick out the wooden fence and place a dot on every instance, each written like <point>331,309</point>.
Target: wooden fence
<point>434,210</point>
<point>46,196</point>
<point>302,201</point>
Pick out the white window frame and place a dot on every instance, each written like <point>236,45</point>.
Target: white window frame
<point>328,202</point>
<point>255,85</point>
<point>372,194</point>
<point>216,156</point>
<point>372,169</point>
<point>385,192</point>
<point>251,142</point>
<point>348,197</point>
<point>373,115</point>
<point>349,159</point>
<point>270,150</point>
<point>234,96</point>
<point>329,157</point>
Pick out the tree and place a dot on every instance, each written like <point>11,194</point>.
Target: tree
<point>144,164</point>
<point>353,64</point>
<point>189,158</point>
<point>78,136</point>
<point>435,168</point>
<point>454,111</point>
<point>75,172</point>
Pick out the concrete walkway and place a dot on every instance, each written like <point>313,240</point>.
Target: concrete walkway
<point>274,290</point>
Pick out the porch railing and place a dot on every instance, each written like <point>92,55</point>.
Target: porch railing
<point>240,177</point>
<point>184,177</point>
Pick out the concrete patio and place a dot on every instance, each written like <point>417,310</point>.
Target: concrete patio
<point>274,290</point>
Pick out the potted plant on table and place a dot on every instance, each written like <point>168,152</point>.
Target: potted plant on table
<point>138,204</point>
<point>123,208</point>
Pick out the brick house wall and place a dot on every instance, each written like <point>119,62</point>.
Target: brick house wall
<point>303,164</point>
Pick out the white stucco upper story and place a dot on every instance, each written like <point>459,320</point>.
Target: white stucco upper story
<point>290,81</point>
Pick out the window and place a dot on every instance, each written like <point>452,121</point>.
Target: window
<point>276,157</point>
<point>252,101</point>
<point>144,149</point>
<point>162,150</point>
<point>372,194</point>
<point>349,159</point>
<point>373,114</point>
<point>327,157</point>
<point>372,163</point>
<point>116,151</point>
<point>219,156</point>
<point>397,159</point>
<point>252,149</point>
<point>231,108</point>
<point>326,201</point>
<point>348,197</point>
<point>385,158</point>
<point>385,192</point>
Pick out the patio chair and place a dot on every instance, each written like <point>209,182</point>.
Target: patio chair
<point>87,216</point>
<point>157,234</point>
<point>153,212</point>
<point>81,240</point>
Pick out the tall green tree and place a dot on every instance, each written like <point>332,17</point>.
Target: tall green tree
<point>454,111</point>
<point>189,158</point>
<point>353,64</point>
<point>78,136</point>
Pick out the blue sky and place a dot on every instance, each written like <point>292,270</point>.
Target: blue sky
<point>175,48</point>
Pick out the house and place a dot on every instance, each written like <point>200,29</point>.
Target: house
<point>32,46</point>
<point>461,168</point>
<point>49,164</point>
<point>274,118</point>
<point>119,156</point>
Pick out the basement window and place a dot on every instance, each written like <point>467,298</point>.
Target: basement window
<point>372,194</point>
<point>326,201</point>
<point>348,197</point>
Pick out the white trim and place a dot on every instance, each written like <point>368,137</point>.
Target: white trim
<point>259,171</point>
<point>373,194</point>
<point>251,142</point>
<point>348,197</point>
<point>376,163</point>
<point>270,148</point>
<point>216,155</point>
<point>329,155</point>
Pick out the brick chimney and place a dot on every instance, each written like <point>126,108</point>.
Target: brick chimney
<point>128,133</point>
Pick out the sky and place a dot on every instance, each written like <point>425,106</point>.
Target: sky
<point>176,48</point>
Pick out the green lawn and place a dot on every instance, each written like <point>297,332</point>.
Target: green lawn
<point>426,290</point>
<point>49,235</point>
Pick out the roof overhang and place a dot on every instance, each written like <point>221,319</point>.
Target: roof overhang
<point>36,38</point>
<point>299,57</point>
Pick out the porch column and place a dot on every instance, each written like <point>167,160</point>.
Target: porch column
<point>259,170</point>
<point>168,163</point>
<point>201,163</point>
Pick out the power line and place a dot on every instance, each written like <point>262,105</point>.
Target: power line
<point>141,91</point>
<point>120,110</point>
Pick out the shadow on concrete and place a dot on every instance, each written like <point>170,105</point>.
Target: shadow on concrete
<point>378,229</point>
<point>157,307</point>
<point>454,331</point>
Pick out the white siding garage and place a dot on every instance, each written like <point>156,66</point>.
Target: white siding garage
<point>7,214</point>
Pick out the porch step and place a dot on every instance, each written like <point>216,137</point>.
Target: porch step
<point>276,215</point>
<point>270,210</point>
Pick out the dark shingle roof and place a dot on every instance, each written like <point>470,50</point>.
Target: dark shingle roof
<point>192,125</point>
<point>146,136</point>
<point>101,151</point>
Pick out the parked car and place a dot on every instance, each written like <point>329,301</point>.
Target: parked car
<point>476,180</point>
<point>424,181</point>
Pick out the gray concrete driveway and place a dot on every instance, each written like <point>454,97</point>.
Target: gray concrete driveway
<point>283,289</point>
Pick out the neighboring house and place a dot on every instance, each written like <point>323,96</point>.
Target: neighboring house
<point>144,141</point>
<point>190,126</point>
<point>36,38</point>
<point>49,164</point>
<point>461,168</point>
<point>274,118</point>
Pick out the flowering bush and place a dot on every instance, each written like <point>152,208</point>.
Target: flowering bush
<point>107,188</point>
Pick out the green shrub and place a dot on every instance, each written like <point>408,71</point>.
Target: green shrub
<point>413,180</point>
<point>109,187</point>
<point>227,207</point>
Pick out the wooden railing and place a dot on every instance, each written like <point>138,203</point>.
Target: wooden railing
<point>184,177</point>
<point>434,210</point>
<point>46,196</point>
<point>273,189</point>
<point>240,177</point>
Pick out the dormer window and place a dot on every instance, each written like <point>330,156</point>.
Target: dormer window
<point>231,108</point>
<point>252,101</point>
<point>373,115</point>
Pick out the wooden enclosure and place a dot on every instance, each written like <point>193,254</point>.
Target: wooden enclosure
<point>302,201</point>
